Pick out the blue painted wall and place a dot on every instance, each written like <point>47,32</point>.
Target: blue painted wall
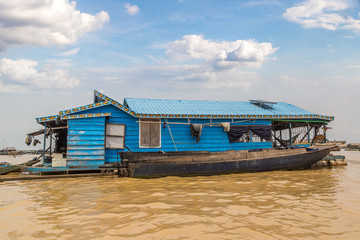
<point>86,142</point>
<point>212,139</point>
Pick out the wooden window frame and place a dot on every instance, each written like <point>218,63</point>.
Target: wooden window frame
<point>119,136</point>
<point>141,121</point>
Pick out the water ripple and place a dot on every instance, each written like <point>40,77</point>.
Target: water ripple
<point>310,204</point>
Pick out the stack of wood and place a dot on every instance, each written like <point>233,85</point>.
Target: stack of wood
<point>353,147</point>
<point>330,161</point>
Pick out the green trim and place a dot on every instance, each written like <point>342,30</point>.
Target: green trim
<point>83,108</point>
<point>46,119</point>
<point>90,115</point>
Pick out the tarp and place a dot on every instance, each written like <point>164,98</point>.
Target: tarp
<point>262,131</point>
<point>237,131</point>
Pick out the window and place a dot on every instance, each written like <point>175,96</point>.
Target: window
<point>115,136</point>
<point>150,132</point>
<point>249,136</point>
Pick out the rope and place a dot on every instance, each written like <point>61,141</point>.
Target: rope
<point>188,123</point>
<point>171,136</point>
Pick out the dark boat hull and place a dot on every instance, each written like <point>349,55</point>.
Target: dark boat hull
<point>8,169</point>
<point>175,168</point>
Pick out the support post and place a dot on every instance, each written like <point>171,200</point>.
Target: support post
<point>50,142</point>
<point>324,132</point>
<point>290,133</point>
<point>43,161</point>
<point>308,133</point>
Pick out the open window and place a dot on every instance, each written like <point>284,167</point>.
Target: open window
<point>115,136</point>
<point>150,133</point>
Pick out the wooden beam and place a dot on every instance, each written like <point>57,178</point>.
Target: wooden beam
<point>290,133</point>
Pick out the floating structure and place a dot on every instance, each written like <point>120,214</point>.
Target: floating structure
<point>353,147</point>
<point>330,161</point>
<point>108,134</point>
<point>8,150</point>
<point>6,167</point>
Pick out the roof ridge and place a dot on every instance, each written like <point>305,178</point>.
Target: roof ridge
<point>192,100</point>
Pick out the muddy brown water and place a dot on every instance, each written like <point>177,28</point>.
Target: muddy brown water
<point>309,204</point>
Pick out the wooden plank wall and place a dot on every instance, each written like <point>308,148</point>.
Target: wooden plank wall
<point>86,142</point>
<point>212,139</point>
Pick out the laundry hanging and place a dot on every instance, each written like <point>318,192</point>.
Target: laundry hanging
<point>196,130</point>
<point>225,126</point>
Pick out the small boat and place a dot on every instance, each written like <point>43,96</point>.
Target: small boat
<point>4,164</point>
<point>6,168</point>
<point>210,163</point>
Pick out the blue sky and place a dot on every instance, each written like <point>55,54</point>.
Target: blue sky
<point>53,54</point>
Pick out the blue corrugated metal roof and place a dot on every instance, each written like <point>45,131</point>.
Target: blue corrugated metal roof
<point>155,108</point>
<point>164,106</point>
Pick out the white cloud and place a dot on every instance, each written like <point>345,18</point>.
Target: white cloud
<point>210,79</point>
<point>224,54</point>
<point>185,77</point>
<point>131,9</point>
<point>45,23</point>
<point>354,66</point>
<point>22,76</point>
<point>325,14</point>
<point>59,62</point>
<point>205,64</point>
<point>71,52</point>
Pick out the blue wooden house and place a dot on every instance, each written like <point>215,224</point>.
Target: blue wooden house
<point>95,134</point>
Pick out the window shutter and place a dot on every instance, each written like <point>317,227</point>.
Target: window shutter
<point>114,142</point>
<point>145,134</point>
<point>155,134</point>
<point>150,133</point>
<point>115,136</point>
<point>115,129</point>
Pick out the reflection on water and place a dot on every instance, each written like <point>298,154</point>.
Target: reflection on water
<point>310,204</point>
